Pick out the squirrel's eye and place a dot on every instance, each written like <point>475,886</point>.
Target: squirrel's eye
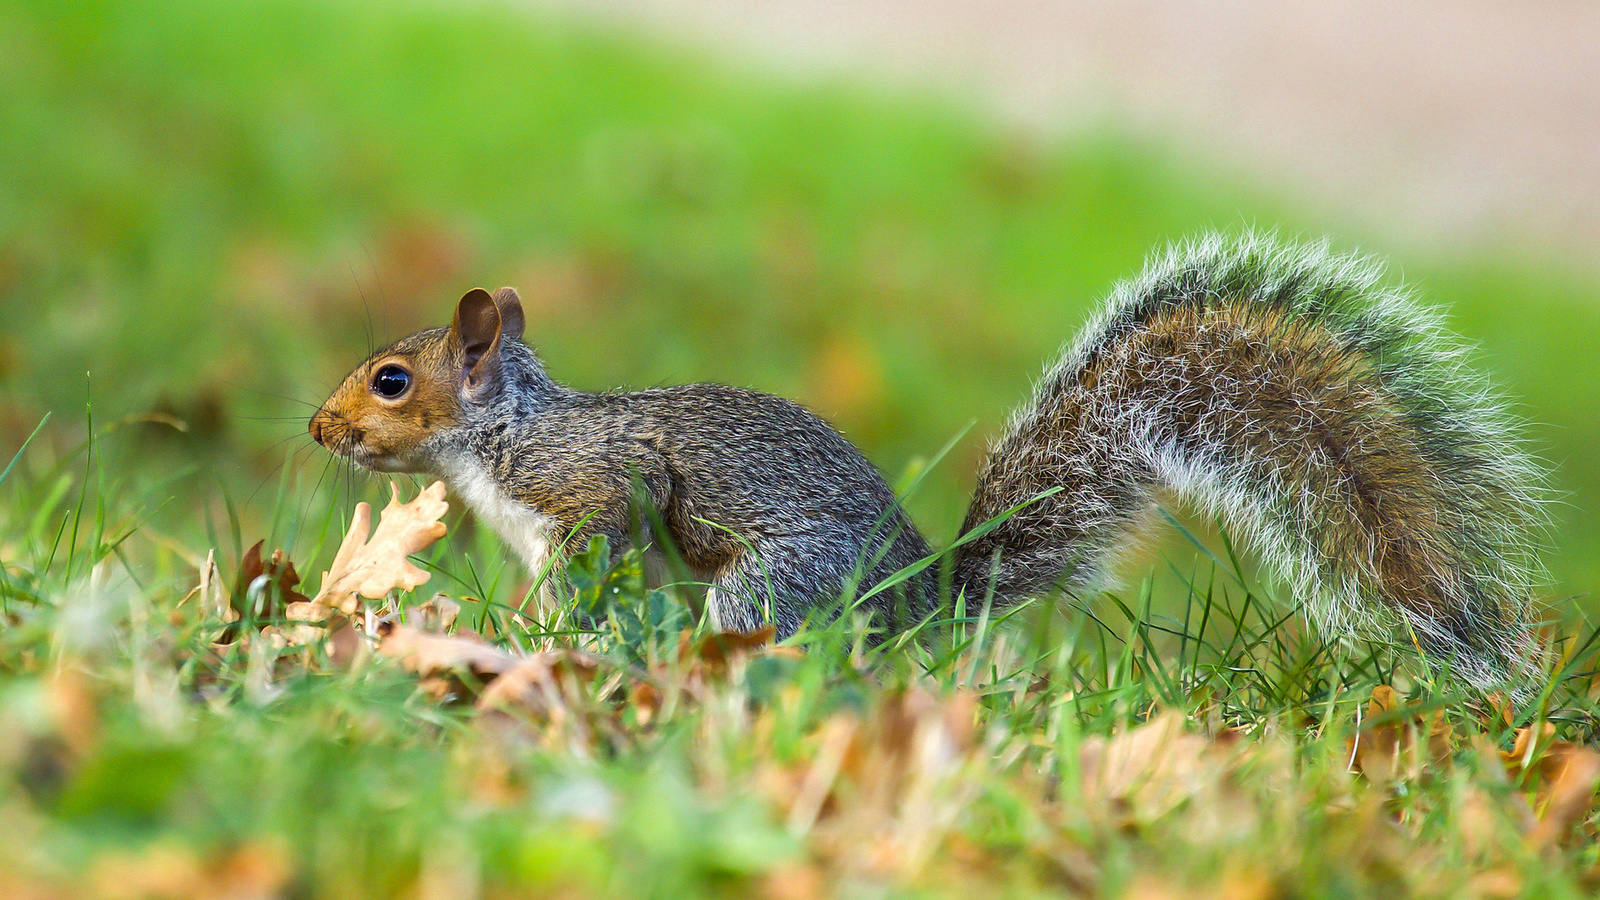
<point>391,382</point>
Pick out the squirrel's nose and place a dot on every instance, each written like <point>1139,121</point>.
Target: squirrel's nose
<point>316,428</point>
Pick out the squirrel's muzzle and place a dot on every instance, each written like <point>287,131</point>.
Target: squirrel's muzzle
<point>316,426</point>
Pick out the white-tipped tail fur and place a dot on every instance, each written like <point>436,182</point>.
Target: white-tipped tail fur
<point>1319,410</point>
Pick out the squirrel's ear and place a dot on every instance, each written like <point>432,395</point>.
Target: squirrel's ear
<point>510,306</point>
<point>477,329</point>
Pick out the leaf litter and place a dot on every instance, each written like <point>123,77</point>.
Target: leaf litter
<point>877,795</point>
<point>881,793</point>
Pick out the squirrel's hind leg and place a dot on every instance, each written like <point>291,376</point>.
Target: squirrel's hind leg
<point>783,581</point>
<point>769,581</point>
<point>748,593</point>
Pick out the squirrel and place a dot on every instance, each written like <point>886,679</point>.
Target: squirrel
<point>1323,414</point>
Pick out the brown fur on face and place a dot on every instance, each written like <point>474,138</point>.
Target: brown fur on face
<point>389,434</point>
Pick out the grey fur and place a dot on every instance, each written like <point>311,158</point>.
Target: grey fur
<point>760,497</point>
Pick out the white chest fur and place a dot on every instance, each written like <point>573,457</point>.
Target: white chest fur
<point>530,533</point>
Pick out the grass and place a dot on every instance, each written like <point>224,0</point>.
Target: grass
<point>209,211</point>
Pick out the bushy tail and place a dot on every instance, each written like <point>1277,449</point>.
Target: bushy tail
<point>1326,417</point>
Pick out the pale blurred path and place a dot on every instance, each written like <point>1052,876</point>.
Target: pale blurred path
<point>1439,123</point>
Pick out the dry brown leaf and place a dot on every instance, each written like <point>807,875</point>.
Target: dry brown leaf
<point>717,657</point>
<point>1497,706</point>
<point>716,651</point>
<point>438,614</point>
<point>1148,770</point>
<point>252,870</point>
<point>1400,747</point>
<point>883,795</point>
<point>345,644</point>
<point>278,571</point>
<point>1569,794</point>
<point>1568,775</point>
<point>645,700</point>
<point>372,568</point>
<point>307,622</point>
<point>444,656</point>
<point>463,665</point>
<point>539,685</point>
<point>275,581</point>
<point>363,567</point>
<point>1526,747</point>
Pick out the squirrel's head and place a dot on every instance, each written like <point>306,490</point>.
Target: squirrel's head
<point>384,413</point>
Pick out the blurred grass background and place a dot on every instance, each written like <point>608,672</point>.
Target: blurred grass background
<point>209,211</point>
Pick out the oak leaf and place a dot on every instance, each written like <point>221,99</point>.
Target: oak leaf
<point>373,567</point>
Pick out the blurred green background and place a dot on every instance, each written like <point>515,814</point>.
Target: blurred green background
<point>209,211</point>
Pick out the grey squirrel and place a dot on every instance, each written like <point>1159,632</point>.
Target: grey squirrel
<point>1320,412</point>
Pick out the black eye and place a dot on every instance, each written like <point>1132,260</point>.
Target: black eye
<point>391,381</point>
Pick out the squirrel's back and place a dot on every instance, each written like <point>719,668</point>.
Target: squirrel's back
<point>1327,418</point>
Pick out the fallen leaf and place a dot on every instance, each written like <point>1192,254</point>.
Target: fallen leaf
<point>881,795</point>
<point>717,651</point>
<point>372,568</point>
<point>1570,794</point>
<point>539,685</point>
<point>1525,747</point>
<point>346,643</point>
<point>464,665</point>
<point>1497,706</point>
<point>1568,775</point>
<point>438,614</point>
<point>1399,746</point>
<point>645,700</point>
<point>444,661</point>
<point>279,573</point>
<point>1147,771</point>
<point>214,599</point>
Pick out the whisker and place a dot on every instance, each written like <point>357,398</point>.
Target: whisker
<point>317,488</point>
<point>260,393</point>
<point>364,308</point>
<point>377,280</point>
<point>301,419</point>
